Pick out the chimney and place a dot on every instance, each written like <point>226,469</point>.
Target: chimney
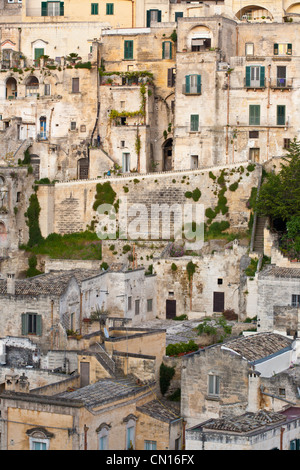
<point>16,383</point>
<point>11,284</point>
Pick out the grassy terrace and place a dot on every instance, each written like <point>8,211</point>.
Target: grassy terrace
<point>84,245</point>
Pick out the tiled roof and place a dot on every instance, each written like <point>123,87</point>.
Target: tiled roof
<point>160,410</point>
<point>258,346</point>
<point>245,423</point>
<point>52,283</point>
<point>277,271</point>
<point>105,390</point>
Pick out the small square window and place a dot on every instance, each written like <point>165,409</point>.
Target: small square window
<point>286,143</point>
<point>220,281</point>
<point>253,134</point>
<point>149,305</point>
<point>73,126</point>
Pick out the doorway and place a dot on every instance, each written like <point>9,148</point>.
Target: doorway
<point>219,302</point>
<point>167,155</point>
<point>254,155</point>
<point>84,374</point>
<point>83,168</point>
<point>170,309</point>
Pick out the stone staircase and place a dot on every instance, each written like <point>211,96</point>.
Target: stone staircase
<point>258,245</point>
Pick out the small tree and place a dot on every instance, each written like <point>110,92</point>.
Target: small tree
<point>100,315</point>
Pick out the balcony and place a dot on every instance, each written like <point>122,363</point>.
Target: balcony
<point>255,84</point>
<point>281,84</point>
<point>191,90</point>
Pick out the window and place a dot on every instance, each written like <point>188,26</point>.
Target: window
<point>129,307</point>
<point>52,9</point>
<point>282,49</point>
<point>249,48</point>
<point>254,114</point>
<point>213,385</point>
<point>282,392</point>
<point>200,44</point>
<point>280,115</point>
<point>75,85</point>
<point>178,14</point>
<point>122,143</point>
<point>109,8</point>
<point>220,281</point>
<point>137,307</point>
<point>149,305</point>
<point>281,76</point>
<point>253,134</point>
<point>167,50</point>
<point>295,300</point>
<point>153,15</point>
<point>149,445</point>
<point>38,444</point>
<point>295,444</point>
<point>194,126</point>
<point>128,49</point>
<point>103,433</point>
<point>94,8</point>
<point>73,126</point>
<point>171,77</point>
<point>286,143</point>
<point>47,89</point>
<point>31,324</point>
<point>192,85</point>
<point>194,162</point>
<point>255,76</point>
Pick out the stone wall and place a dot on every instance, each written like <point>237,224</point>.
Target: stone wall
<point>70,204</point>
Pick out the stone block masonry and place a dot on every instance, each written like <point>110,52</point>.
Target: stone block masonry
<point>68,206</point>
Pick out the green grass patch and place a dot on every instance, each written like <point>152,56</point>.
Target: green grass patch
<point>84,246</point>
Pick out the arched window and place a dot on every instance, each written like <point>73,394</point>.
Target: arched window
<point>103,435</point>
<point>32,86</point>
<point>11,88</point>
<point>130,422</point>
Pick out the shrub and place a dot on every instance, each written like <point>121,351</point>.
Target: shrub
<point>174,267</point>
<point>234,186</point>
<point>165,376</point>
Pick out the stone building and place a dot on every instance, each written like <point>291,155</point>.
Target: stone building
<point>244,374</point>
<point>278,300</point>
<point>263,430</point>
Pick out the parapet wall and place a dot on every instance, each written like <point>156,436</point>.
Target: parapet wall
<point>68,207</point>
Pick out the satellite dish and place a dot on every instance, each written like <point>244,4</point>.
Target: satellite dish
<point>106,333</point>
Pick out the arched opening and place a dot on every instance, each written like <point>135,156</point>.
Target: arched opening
<point>2,228</point>
<point>199,39</point>
<point>295,8</point>
<point>11,88</point>
<point>83,168</point>
<point>32,86</point>
<point>3,235</point>
<point>167,154</point>
<point>254,13</point>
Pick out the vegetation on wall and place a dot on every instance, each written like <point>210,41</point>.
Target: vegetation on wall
<point>32,216</point>
<point>165,376</point>
<point>104,195</point>
<point>179,349</point>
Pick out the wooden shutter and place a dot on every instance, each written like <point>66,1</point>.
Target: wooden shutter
<point>159,16</point>
<point>248,75</point>
<point>262,76</point>
<point>148,18</point>
<point>289,49</point>
<point>178,14</point>
<point>254,114</point>
<point>170,77</point>
<point>62,8</point>
<point>75,85</point>
<point>39,325</point>
<point>24,323</point>
<point>187,84</point>
<point>198,83</point>
<point>44,9</point>
<point>128,49</point>
<point>194,122</point>
<point>280,115</point>
<point>276,49</point>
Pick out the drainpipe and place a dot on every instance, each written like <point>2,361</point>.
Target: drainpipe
<point>85,436</point>
<point>52,325</point>
<point>281,438</point>
<point>268,107</point>
<point>227,125</point>
<point>133,13</point>
<point>80,314</point>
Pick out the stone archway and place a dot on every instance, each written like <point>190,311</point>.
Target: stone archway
<point>11,88</point>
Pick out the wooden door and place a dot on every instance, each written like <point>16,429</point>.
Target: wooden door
<point>218,302</point>
<point>170,309</point>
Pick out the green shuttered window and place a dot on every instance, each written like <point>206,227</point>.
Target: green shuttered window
<point>109,8</point>
<point>31,324</point>
<point>194,122</point>
<point>94,8</point>
<point>193,84</point>
<point>254,114</point>
<point>280,115</point>
<point>128,49</point>
<point>52,9</point>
